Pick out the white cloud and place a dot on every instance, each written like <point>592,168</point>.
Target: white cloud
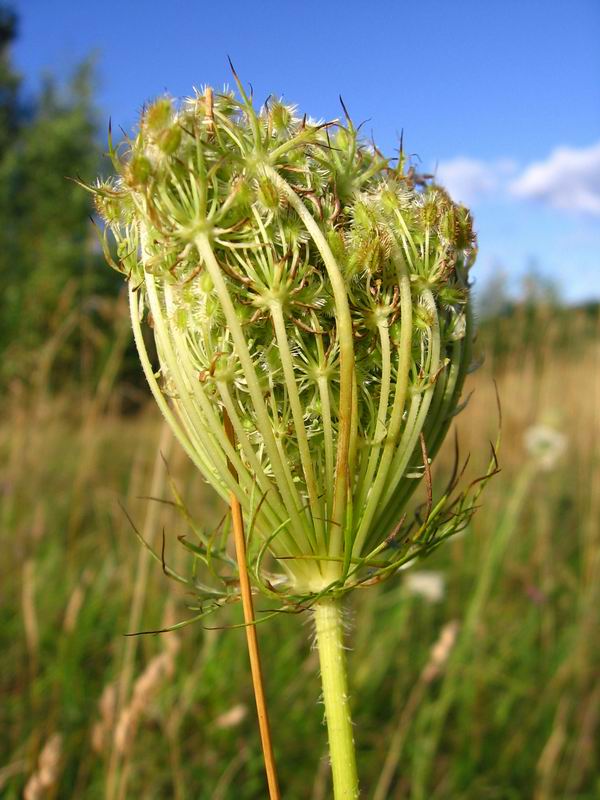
<point>469,179</point>
<point>569,179</point>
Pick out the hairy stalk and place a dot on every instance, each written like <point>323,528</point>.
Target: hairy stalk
<point>395,423</point>
<point>190,412</point>
<point>344,323</point>
<point>298,417</point>
<point>280,470</point>
<point>265,485</point>
<point>379,434</point>
<point>328,438</point>
<point>196,457</point>
<point>330,644</point>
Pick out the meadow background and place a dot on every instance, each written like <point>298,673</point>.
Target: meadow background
<point>474,673</point>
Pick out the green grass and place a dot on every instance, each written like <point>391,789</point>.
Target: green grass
<point>513,713</point>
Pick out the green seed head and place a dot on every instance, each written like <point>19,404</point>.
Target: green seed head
<point>315,294</point>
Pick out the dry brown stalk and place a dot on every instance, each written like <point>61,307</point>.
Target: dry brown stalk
<point>30,620</point>
<point>103,727</point>
<point>251,636</point>
<point>46,775</point>
<point>232,717</point>
<point>159,669</point>
<point>438,656</point>
<point>151,523</point>
<point>76,602</point>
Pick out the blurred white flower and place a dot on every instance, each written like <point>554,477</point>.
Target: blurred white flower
<point>427,584</point>
<point>545,445</point>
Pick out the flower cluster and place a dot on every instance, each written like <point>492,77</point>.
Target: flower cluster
<point>307,294</point>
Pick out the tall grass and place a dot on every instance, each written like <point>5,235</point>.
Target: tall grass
<point>508,707</point>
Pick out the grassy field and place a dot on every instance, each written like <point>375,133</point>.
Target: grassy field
<point>474,674</point>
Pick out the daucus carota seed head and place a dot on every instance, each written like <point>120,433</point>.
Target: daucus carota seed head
<point>314,293</point>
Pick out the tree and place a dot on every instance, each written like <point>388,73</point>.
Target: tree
<point>9,80</point>
<point>47,255</point>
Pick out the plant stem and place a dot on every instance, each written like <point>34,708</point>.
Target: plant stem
<point>330,644</point>
<point>251,636</point>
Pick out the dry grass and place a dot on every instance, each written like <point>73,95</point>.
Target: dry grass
<point>512,711</point>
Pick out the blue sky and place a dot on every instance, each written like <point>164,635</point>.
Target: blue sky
<point>502,98</point>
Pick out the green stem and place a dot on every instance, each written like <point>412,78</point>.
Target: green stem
<point>330,644</point>
<point>281,470</point>
<point>287,364</point>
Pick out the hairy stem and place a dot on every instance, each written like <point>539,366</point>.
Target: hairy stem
<point>330,644</point>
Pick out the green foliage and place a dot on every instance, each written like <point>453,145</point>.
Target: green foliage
<point>9,80</point>
<point>535,316</point>
<point>48,256</point>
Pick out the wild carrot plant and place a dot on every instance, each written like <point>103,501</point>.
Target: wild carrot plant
<point>309,305</point>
